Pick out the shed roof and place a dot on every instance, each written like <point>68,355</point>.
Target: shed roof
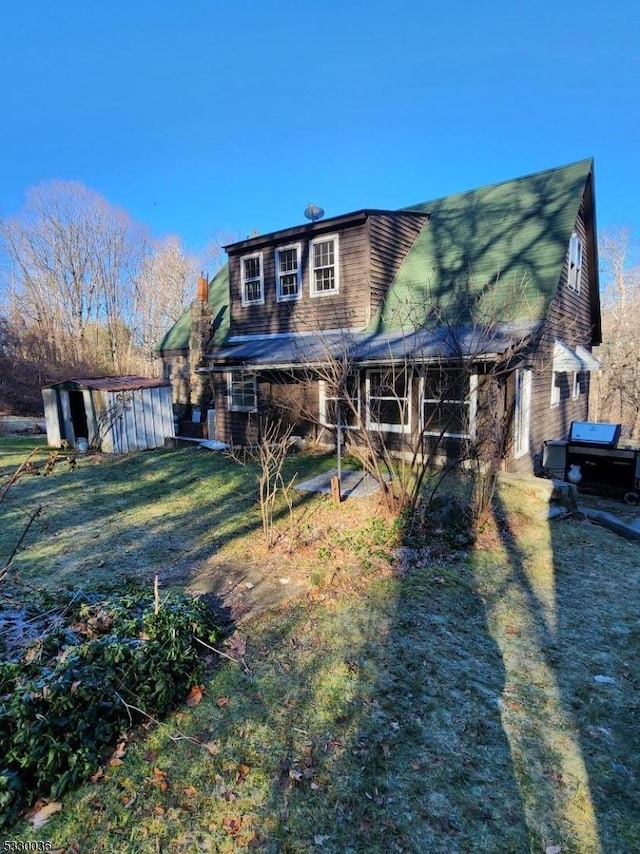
<point>494,252</point>
<point>127,383</point>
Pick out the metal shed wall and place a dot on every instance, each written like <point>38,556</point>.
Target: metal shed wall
<point>144,419</point>
<point>117,421</point>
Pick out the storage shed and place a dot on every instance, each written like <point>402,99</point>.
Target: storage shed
<point>112,414</point>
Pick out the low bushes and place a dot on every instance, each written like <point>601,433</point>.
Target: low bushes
<point>88,677</point>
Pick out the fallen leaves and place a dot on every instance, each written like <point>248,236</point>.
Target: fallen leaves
<point>232,825</point>
<point>195,695</point>
<point>118,753</point>
<point>160,779</point>
<point>237,645</point>
<point>241,775</point>
<point>42,812</point>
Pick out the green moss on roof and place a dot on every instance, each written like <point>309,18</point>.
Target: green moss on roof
<point>496,252</point>
<point>177,338</point>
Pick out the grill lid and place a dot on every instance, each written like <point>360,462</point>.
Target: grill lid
<point>599,434</point>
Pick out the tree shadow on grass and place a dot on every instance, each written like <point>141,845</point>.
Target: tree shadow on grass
<point>554,612</point>
<point>597,609</point>
<point>371,723</point>
<point>131,517</point>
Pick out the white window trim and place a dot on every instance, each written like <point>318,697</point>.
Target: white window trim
<point>522,413</point>
<point>555,391</point>
<point>280,297</point>
<point>575,388</point>
<point>471,401</point>
<point>239,375</point>
<point>243,281</point>
<point>574,263</point>
<point>336,264</point>
<point>324,397</point>
<point>387,428</point>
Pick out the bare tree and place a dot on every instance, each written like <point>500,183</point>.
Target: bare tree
<point>270,453</point>
<point>426,402</point>
<point>164,287</point>
<point>71,260</point>
<point>84,289</point>
<point>617,389</point>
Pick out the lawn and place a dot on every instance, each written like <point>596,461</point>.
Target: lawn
<point>482,701</point>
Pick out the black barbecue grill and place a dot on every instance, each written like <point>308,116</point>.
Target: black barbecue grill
<point>592,459</point>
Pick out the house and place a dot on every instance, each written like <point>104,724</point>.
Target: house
<point>113,414</point>
<point>419,308</point>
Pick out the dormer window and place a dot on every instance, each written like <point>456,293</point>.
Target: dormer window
<point>252,279</point>
<point>575,263</point>
<point>288,280</point>
<point>324,266</point>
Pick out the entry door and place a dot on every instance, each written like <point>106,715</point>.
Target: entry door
<point>522,412</point>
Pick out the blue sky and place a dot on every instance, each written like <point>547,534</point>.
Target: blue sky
<point>203,117</point>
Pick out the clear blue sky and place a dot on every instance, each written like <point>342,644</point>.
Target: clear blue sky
<point>203,116</point>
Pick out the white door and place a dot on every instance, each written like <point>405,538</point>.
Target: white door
<point>522,412</point>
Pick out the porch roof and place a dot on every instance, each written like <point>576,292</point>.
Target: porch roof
<point>365,348</point>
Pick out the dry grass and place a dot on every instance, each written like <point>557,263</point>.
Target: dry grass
<point>450,709</point>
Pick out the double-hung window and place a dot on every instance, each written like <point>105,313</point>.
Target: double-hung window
<point>288,279</point>
<point>242,394</point>
<point>252,279</point>
<point>324,266</point>
<point>449,403</point>
<point>575,263</point>
<point>344,400</point>
<point>389,400</point>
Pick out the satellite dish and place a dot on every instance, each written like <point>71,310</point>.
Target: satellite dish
<point>313,212</point>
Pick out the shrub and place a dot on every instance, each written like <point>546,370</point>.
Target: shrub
<point>71,694</point>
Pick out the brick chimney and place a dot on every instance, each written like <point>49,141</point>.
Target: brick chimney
<point>199,336</point>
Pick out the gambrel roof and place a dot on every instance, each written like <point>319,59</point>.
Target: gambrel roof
<point>493,253</point>
<point>497,251</point>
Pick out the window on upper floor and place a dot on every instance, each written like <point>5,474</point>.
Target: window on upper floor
<point>288,278</point>
<point>575,263</point>
<point>252,279</point>
<point>242,393</point>
<point>324,266</point>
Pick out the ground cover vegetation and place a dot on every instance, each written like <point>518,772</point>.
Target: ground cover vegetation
<point>373,694</point>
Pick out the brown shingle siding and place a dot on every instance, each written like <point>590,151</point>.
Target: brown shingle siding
<point>347,308</point>
<point>391,236</point>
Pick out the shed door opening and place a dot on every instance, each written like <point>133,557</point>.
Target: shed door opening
<point>78,414</point>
